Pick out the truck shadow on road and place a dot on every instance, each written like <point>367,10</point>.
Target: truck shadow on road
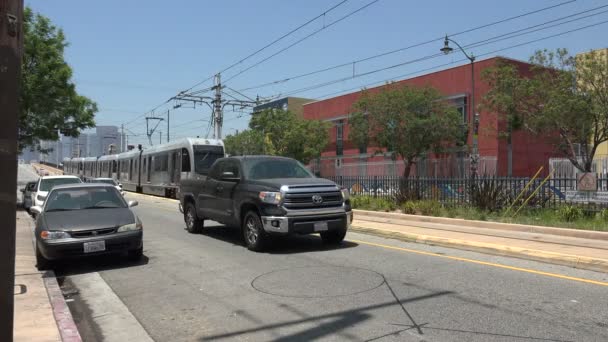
<point>278,244</point>
<point>95,264</point>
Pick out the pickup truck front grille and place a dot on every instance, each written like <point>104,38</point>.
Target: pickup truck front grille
<point>304,200</point>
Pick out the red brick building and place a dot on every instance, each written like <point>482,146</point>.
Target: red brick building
<point>342,157</point>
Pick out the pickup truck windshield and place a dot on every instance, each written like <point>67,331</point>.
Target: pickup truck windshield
<point>269,169</point>
<point>205,156</point>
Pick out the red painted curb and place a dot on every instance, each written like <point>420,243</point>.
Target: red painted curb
<point>63,316</point>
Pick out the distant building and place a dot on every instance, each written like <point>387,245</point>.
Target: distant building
<point>292,104</point>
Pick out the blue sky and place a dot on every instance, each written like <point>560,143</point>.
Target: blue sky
<point>130,56</point>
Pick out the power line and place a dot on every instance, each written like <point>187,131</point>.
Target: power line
<point>354,62</point>
<point>268,45</point>
<point>476,44</point>
<point>148,112</point>
<point>462,60</point>
<point>303,39</point>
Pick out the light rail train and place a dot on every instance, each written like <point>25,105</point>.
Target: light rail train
<point>155,170</point>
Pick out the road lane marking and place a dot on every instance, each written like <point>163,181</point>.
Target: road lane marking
<point>513,268</point>
<point>479,262</point>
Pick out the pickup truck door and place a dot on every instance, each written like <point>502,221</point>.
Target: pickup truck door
<point>226,191</point>
<point>208,198</point>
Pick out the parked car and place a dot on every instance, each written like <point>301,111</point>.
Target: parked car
<point>46,183</point>
<point>86,219</point>
<point>264,196</point>
<point>27,191</point>
<point>110,181</point>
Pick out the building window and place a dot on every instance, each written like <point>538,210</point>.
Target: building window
<point>340,138</point>
<point>461,107</point>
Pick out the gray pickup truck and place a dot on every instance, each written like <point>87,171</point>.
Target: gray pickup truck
<point>266,196</point>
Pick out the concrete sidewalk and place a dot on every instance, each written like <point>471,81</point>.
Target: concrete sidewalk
<point>41,313</point>
<point>580,249</point>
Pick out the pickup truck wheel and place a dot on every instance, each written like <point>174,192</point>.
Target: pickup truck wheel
<point>253,232</point>
<point>333,237</point>
<point>194,225</point>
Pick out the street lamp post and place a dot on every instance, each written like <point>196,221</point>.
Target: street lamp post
<point>446,49</point>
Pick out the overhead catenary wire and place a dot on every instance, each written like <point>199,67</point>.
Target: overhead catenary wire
<point>337,66</point>
<point>476,44</point>
<point>303,39</point>
<point>269,44</point>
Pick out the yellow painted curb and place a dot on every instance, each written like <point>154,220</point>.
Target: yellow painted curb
<point>593,264</point>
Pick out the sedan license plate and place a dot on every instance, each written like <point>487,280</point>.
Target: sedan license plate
<point>320,226</point>
<point>95,246</point>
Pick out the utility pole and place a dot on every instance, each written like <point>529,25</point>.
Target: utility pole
<point>217,107</point>
<point>160,137</point>
<point>150,132</point>
<point>122,137</point>
<point>11,48</point>
<point>168,113</point>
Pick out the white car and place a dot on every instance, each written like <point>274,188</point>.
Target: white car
<point>110,181</point>
<point>46,183</point>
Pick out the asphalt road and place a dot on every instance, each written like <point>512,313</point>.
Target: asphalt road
<point>208,287</point>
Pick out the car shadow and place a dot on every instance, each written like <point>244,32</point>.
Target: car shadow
<point>278,244</point>
<point>89,264</point>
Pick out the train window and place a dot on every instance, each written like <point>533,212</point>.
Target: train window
<point>149,168</point>
<point>113,165</point>
<point>185,160</point>
<point>205,156</point>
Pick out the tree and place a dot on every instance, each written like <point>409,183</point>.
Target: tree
<point>505,91</point>
<point>410,121</point>
<point>564,99</point>
<point>285,134</point>
<point>49,101</point>
<point>247,142</point>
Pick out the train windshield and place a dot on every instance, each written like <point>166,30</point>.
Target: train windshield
<point>205,156</point>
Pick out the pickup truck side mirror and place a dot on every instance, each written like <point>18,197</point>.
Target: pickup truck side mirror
<point>230,177</point>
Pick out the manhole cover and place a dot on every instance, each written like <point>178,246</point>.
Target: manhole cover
<point>318,281</point>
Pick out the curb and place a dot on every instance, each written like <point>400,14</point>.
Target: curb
<point>569,232</point>
<point>61,312</point>
<point>598,265</point>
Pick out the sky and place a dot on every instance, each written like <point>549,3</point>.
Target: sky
<point>131,56</point>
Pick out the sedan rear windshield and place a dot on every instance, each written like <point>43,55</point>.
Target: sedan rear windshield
<point>48,184</point>
<point>275,168</point>
<point>105,181</point>
<point>84,198</point>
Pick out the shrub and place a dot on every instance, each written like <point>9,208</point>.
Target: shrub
<point>570,213</point>
<point>429,208</point>
<point>371,203</point>
<point>409,190</point>
<point>409,207</point>
<point>604,214</point>
<point>488,194</point>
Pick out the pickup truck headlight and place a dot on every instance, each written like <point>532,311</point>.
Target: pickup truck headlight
<point>41,198</point>
<point>271,197</point>
<point>130,227</point>
<point>51,235</point>
<point>345,194</point>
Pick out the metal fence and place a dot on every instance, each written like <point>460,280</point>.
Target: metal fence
<point>424,167</point>
<point>456,191</point>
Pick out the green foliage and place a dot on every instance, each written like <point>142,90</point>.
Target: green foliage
<point>570,213</point>
<point>373,203</point>
<point>49,101</point>
<point>409,207</point>
<point>410,121</point>
<point>279,132</point>
<point>488,194</point>
<point>248,142</point>
<point>429,208</point>
<point>564,98</point>
<point>604,215</point>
